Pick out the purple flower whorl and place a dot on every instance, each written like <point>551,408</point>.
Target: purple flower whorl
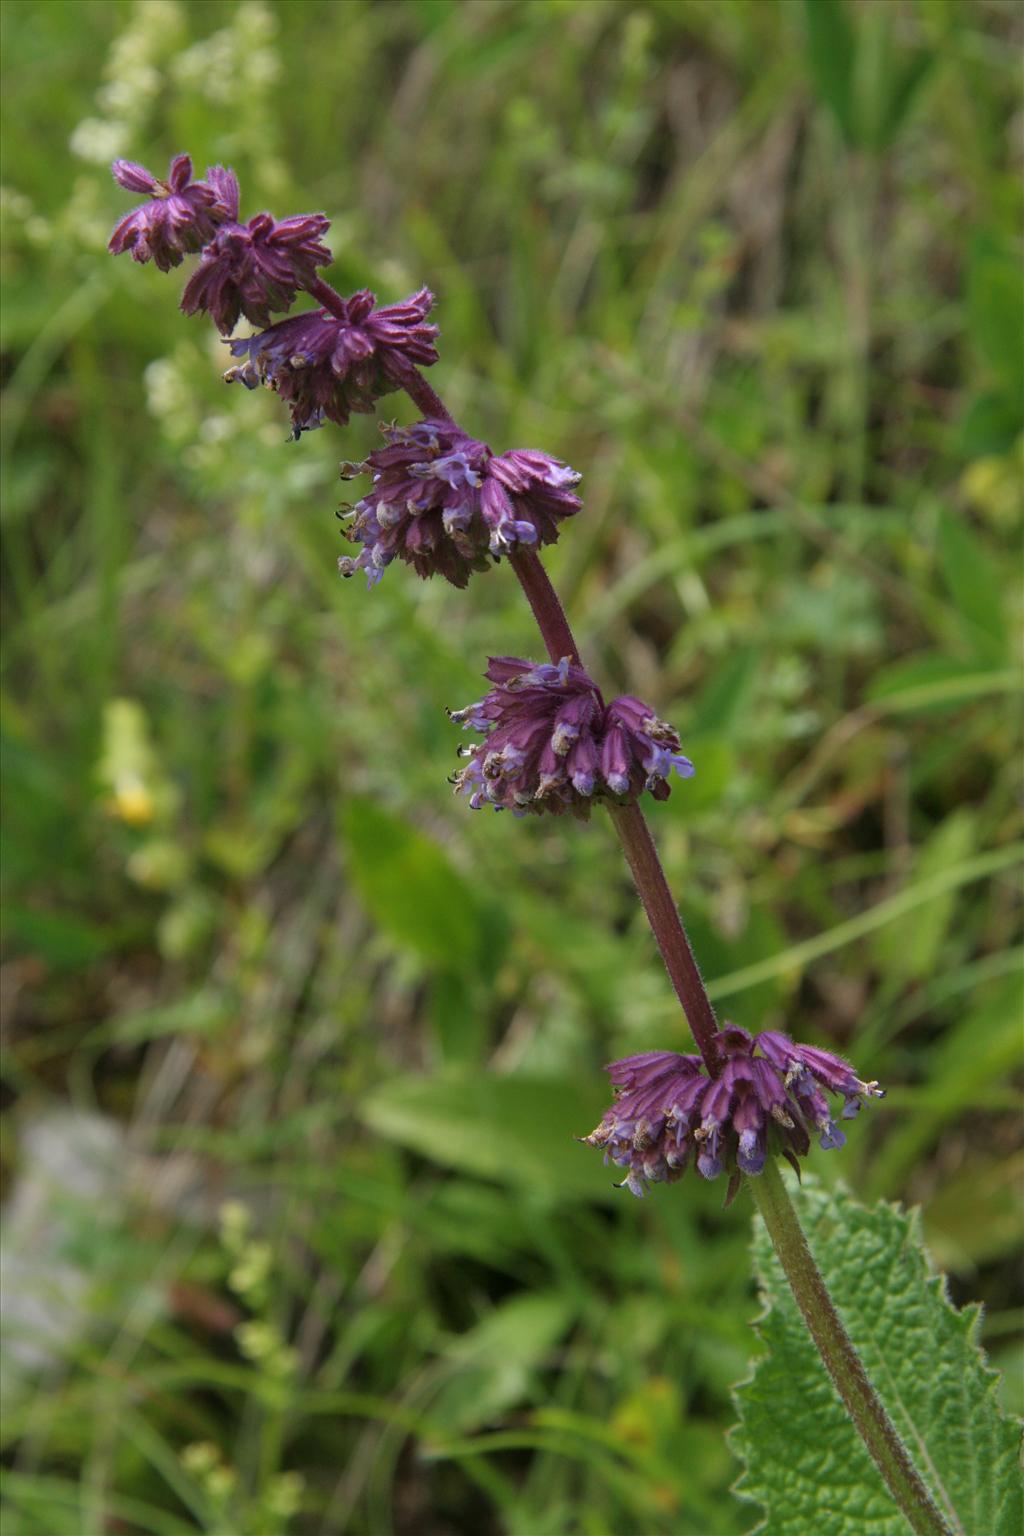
<point>447,505</point>
<point>254,269</point>
<point>667,1107</point>
<point>553,745</point>
<point>325,366</point>
<point>181,216</point>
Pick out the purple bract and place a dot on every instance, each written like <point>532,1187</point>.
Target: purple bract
<point>553,745</point>
<point>181,217</point>
<point>326,366</point>
<point>254,269</point>
<point>767,1098</point>
<point>445,504</point>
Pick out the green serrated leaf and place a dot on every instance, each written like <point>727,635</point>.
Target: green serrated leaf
<point>804,1462</point>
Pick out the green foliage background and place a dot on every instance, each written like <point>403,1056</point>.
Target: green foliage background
<point>754,268</point>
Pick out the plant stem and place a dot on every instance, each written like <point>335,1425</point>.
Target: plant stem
<point>841,1360</point>
<point>421,394</point>
<point>546,605</point>
<point>330,299</point>
<point>667,926</point>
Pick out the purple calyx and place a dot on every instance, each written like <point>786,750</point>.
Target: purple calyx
<point>447,505</point>
<point>326,366</point>
<point>551,744</point>
<point>180,217</point>
<point>767,1098</point>
<point>256,269</point>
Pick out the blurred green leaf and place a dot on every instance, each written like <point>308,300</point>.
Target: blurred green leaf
<point>203,1014</point>
<point>974,1218</point>
<point>831,51</point>
<point>459,1014</point>
<point>995,310</point>
<point>413,892</point>
<point>939,682</point>
<point>760,938</point>
<point>909,947</point>
<point>494,1363</point>
<point>985,1046</point>
<point>715,762</point>
<point>517,1130</point>
<point>991,423</point>
<point>723,700</point>
<point>66,940</point>
<point>917,894</point>
<point>973,580</point>
<point>886,78</point>
<point>923,1359</point>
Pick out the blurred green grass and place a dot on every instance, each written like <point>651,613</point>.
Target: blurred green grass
<point>753,268</point>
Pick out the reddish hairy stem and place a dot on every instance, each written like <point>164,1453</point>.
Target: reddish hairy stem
<point>421,394</point>
<point>546,605</point>
<point>329,297</point>
<point>667,926</point>
<point>633,832</point>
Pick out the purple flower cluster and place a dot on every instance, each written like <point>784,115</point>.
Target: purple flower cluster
<point>249,269</point>
<point>446,504</point>
<point>324,364</point>
<point>768,1097</point>
<point>181,216</point>
<point>327,365</point>
<point>552,744</point>
<point>254,269</point>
